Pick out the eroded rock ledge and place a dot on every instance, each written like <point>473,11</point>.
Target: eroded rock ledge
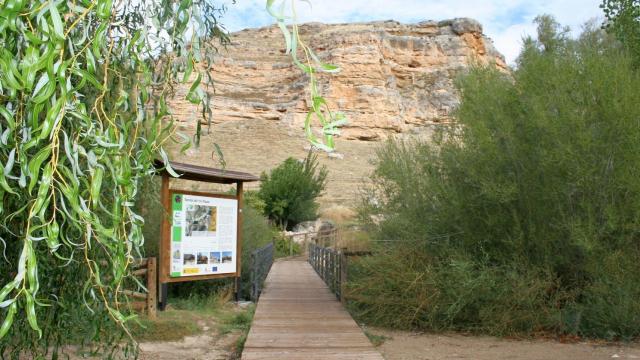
<point>395,78</point>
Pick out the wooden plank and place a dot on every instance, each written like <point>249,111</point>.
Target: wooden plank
<point>139,272</point>
<point>364,353</point>
<point>299,318</point>
<point>135,294</point>
<point>138,305</point>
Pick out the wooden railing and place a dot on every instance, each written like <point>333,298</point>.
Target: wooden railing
<point>145,268</point>
<point>331,265</point>
<point>322,238</point>
<point>261,261</point>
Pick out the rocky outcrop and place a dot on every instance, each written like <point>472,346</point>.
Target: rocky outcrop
<point>395,79</point>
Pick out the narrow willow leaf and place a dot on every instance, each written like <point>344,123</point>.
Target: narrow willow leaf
<point>287,36</point>
<point>32,272</point>
<point>323,66</point>
<point>58,27</point>
<point>167,164</point>
<point>52,117</point>
<point>6,290</point>
<point>96,184</point>
<point>6,303</point>
<point>10,161</point>
<point>4,184</point>
<point>189,69</point>
<point>31,314</point>
<point>192,95</point>
<point>8,116</point>
<point>220,154</point>
<point>8,320</point>
<point>85,75</point>
<point>43,190</point>
<point>53,231</point>
<point>43,90</point>
<point>35,164</point>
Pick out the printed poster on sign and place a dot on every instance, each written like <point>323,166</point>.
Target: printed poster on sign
<point>203,235</point>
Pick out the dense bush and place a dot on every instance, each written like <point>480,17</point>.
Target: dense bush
<point>524,217</point>
<point>289,191</point>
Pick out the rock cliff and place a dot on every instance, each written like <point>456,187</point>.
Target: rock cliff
<point>394,78</point>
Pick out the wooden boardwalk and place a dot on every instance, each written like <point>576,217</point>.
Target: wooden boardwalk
<point>299,318</point>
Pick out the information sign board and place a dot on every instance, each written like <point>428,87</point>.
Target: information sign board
<point>203,235</point>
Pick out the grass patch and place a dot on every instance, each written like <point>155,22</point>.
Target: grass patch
<point>376,340</point>
<point>170,325</point>
<point>187,317</point>
<point>239,321</point>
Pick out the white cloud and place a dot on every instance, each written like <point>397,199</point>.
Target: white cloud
<point>505,21</point>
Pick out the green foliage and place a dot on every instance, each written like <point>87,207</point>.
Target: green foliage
<point>253,200</point>
<point>289,191</point>
<point>84,87</point>
<point>376,340</point>
<point>623,20</point>
<point>524,217</point>
<point>310,65</point>
<point>256,233</point>
<point>240,321</point>
<point>285,246</point>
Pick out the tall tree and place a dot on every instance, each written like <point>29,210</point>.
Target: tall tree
<point>289,191</point>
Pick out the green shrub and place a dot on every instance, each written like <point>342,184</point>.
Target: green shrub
<point>517,211</point>
<point>286,247</point>
<point>289,191</point>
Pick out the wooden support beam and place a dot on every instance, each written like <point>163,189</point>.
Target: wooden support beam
<point>152,299</point>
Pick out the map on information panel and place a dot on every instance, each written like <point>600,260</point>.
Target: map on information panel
<point>203,235</point>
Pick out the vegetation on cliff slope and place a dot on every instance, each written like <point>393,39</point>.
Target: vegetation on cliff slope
<point>525,218</point>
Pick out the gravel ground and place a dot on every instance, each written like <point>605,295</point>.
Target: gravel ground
<point>402,345</point>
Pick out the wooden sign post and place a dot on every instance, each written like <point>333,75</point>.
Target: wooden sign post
<point>201,233</point>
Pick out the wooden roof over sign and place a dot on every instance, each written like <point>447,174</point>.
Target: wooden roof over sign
<point>206,174</point>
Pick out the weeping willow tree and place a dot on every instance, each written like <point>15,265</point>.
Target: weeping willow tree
<point>85,88</point>
<point>84,92</point>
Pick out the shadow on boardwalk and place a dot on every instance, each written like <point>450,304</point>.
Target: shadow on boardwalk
<point>299,318</point>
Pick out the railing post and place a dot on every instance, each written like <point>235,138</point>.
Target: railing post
<point>151,287</point>
<point>343,276</point>
<point>253,277</point>
<point>261,262</point>
<point>326,263</point>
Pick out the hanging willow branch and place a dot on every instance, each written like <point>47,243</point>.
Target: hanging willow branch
<point>84,87</point>
<point>310,65</point>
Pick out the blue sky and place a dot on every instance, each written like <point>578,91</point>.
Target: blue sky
<point>504,21</point>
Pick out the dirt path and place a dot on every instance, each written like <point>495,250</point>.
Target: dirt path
<point>401,345</point>
<point>201,347</point>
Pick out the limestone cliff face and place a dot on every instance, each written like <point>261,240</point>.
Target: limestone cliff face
<point>394,78</point>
